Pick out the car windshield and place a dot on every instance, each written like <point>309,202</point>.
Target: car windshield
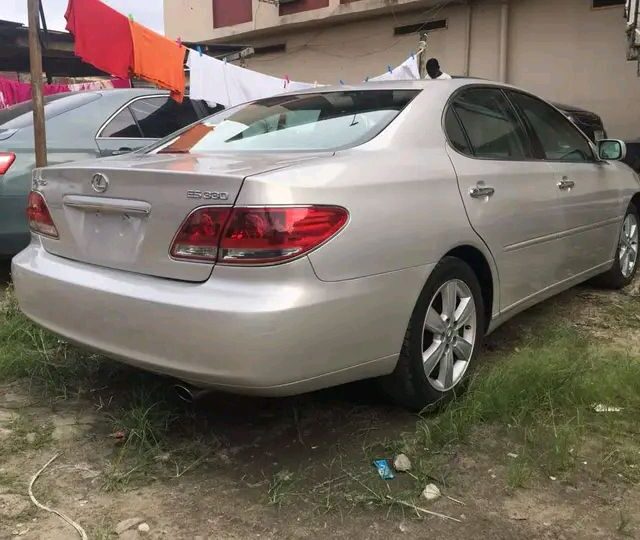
<point>318,121</point>
<point>21,115</point>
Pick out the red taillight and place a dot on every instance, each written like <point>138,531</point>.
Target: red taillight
<point>266,235</point>
<point>199,236</point>
<point>256,235</point>
<point>39,217</point>
<point>6,160</point>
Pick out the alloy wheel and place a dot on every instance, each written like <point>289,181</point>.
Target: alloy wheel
<point>449,335</point>
<point>628,252</point>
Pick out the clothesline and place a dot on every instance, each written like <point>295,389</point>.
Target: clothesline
<point>14,92</point>
<point>218,81</point>
<point>116,44</point>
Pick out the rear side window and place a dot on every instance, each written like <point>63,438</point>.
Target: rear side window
<point>122,125</point>
<point>559,139</point>
<point>21,115</point>
<point>161,116</point>
<point>454,132</point>
<point>491,124</point>
<point>300,122</point>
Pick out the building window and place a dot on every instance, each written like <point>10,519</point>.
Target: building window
<point>608,3</point>
<point>420,27</point>
<point>231,12</point>
<point>296,6</point>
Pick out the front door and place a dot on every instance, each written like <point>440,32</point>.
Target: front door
<point>511,199</point>
<point>589,195</point>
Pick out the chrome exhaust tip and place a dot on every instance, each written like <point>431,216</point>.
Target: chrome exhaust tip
<point>188,393</point>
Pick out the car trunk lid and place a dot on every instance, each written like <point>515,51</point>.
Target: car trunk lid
<point>123,213</point>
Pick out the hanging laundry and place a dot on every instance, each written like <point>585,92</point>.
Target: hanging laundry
<point>408,70</point>
<point>102,36</point>
<point>99,85</point>
<point>158,59</point>
<point>14,92</point>
<point>215,81</point>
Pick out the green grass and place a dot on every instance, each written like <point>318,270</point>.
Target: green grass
<point>540,400</point>
<point>30,352</point>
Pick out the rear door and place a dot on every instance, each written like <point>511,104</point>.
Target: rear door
<point>589,194</point>
<point>510,198</point>
<point>143,121</point>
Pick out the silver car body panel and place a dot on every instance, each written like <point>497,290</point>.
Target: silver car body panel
<point>340,313</point>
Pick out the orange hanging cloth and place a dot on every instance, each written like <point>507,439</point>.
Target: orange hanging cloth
<point>159,60</point>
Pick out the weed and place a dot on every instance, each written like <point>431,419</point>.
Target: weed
<point>280,487</point>
<point>518,473</point>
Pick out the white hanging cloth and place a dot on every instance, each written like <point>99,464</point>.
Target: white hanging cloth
<point>216,81</point>
<point>408,70</point>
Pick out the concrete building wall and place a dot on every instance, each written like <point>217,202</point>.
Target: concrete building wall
<point>562,50</point>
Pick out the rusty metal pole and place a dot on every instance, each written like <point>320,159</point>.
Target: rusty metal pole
<point>35,60</point>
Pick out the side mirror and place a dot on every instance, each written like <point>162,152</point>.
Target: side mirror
<point>612,149</point>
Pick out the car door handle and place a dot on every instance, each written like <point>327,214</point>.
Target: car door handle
<point>121,151</point>
<point>478,192</point>
<point>566,184</point>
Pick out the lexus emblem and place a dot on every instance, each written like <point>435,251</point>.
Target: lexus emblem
<point>99,183</point>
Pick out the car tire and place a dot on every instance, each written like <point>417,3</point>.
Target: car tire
<point>439,351</point>
<point>624,269</point>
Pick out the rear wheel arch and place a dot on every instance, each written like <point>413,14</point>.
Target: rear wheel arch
<point>482,269</point>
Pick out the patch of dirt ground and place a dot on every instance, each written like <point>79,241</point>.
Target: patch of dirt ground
<point>270,468</point>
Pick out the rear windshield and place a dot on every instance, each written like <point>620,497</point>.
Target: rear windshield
<point>319,121</point>
<point>20,115</point>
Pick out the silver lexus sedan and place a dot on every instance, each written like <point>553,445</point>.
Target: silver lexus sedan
<point>312,239</point>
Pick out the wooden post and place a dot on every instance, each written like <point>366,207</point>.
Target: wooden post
<point>35,60</point>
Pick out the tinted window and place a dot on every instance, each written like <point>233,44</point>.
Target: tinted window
<point>491,124</point>
<point>559,139</point>
<point>122,125</point>
<point>161,116</point>
<point>21,115</point>
<point>318,121</point>
<point>455,133</point>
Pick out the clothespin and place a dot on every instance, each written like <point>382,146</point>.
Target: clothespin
<point>390,69</point>
<point>287,81</point>
<point>341,82</point>
<point>366,79</point>
<point>179,41</point>
<point>130,18</point>
<point>413,56</point>
<point>199,49</point>
<point>225,59</point>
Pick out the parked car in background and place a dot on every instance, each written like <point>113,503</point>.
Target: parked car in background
<point>590,123</point>
<point>633,155</point>
<point>312,239</point>
<point>80,125</point>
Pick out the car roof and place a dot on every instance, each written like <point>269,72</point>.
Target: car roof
<point>420,84</point>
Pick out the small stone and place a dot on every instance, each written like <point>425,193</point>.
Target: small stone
<point>403,528</point>
<point>512,455</point>
<point>553,478</point>
<point>431,492</point>
<point>163,458</point>
<point>127,524</point>
<point>31,438</point>
<point>144,528</point>
<point>401,463</point>
<point>7,417</point>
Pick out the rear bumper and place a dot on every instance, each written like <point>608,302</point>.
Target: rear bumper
<point>269,331</point>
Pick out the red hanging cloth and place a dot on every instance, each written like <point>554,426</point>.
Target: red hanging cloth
<point>102,36</point>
